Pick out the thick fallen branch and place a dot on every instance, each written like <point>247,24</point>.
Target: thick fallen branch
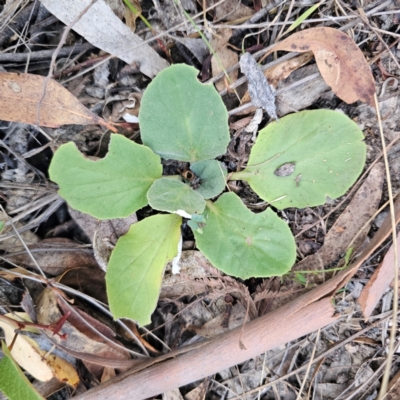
<point>237,346</point>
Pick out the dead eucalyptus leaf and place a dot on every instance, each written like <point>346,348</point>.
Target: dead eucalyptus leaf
<point>28,352</point>
<point>55,256</point>
<point>223,57</point>
<point>340,61</point>
<point>378,283</point>
<point>22,100</point>
<point>88,345</point>
<point>108,32</point>
<point>103,234</point>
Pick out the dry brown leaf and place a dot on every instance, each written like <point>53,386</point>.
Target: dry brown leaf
<point>231,12</point>
<point>130,17</point>
<point>340,61</point>
<point>223,57</point>
<point>227,11</point>
<point>103,234</point>
<point>86,280</point>
<point>55,256</point>
<point>394,385</point>
<point>14,273</point>
<point>20,95</point>
<point>350,223</point>
<point>378,283</point>
<point>197,275</point>
<point>284,69</point>
<point>95,354</point>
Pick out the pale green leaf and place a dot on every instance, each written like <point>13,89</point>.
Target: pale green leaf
<point>244,244</point>
<point>136,266</point>
<point>305,157</point>
<point>212,177</point>
<point>182,119</point>
<point>13,382</point>
<point>302,17</point>
<point>113,187</point>
<point>172,195</point>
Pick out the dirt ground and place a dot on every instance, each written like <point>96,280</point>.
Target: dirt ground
<point>49,250</point>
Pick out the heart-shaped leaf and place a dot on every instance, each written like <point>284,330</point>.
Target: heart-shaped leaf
<point>244,244</point>
<point>212,177</point>
<point>305,157</point>
<point>172,195</point>
<point>182,119</point>
<point>113,187</point>
<point>136,266</point>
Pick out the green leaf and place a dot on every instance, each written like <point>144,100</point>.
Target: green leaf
<point>13,382</point>
<point>244,244</point>
<point>305,157</point>
<point>136,266</point>
<point>172,195</point>
<point>302,17</point>
<point>182,119</point>
<point>113,187</point>
<point>212,177</point>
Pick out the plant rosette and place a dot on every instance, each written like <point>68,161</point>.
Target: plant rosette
<point>296,162</point>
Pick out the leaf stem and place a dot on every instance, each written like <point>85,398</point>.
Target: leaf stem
<point>210,205</point>
<point>139,14</point>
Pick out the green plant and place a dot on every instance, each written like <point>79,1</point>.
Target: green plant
<point>296,162</point>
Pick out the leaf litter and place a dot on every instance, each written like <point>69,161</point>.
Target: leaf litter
<point>213,289</point>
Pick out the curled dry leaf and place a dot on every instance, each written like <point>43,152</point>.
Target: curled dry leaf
<point>103,234</point>
<point>40,363</point>
<point>340,61</point>
<point>379,282</point>
<point>130,16</point>
<point>22,100</point>
<point>87,344</point>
